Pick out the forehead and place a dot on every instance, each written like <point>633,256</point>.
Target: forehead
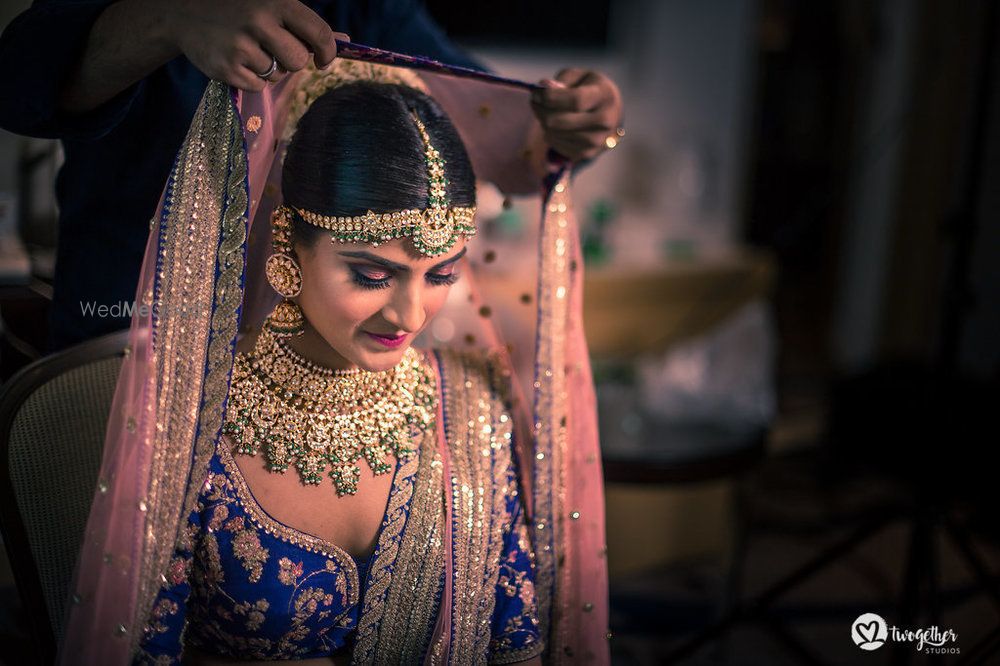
<point>399,250</point>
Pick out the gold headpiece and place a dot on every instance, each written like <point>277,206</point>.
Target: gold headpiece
<point>435,229</point>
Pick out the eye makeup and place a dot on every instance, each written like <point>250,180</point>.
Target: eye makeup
<point>364,275</point>
<point>442,278</point>
<point>361,279</point>
<point>366,282</point>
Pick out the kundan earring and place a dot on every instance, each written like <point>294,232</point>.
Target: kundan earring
<point>285,277</point>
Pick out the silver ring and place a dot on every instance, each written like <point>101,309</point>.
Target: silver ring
<point>270,70</point>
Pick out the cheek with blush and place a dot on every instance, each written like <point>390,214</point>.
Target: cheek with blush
<point>368,312</point>
<point>333,305</point>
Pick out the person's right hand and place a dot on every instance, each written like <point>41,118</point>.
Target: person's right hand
<point>233,40</point>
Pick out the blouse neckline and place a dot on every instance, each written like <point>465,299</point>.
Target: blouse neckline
<point>289,534</point>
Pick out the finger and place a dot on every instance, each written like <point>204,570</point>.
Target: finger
<point>246,79</point>
<point>575,152</point>
<point>571,76</point>
<point>570,144</point>
<point>585,97</point>
<point>278,74</point>
<point>338,37</point>
<point>291,53</point>
<point>254,58</point>
<point>578,145</point>
<point>311,29</point>
<point>574,121</point>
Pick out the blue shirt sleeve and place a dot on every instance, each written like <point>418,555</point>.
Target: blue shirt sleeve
<point>515,632</point>
<point>163,636</point>
<point>406,27</point>
<point>38,50</point>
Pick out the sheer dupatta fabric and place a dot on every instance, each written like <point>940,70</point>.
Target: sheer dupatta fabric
<point>202,283</point>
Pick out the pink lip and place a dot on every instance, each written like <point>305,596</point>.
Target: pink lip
<point>391,341</point>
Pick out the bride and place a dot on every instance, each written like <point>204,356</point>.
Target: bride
<point>340,490</point>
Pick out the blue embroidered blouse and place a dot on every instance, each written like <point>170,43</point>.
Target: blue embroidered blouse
<point>242,585</point>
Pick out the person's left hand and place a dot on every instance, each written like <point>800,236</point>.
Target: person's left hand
<point>579,110</point>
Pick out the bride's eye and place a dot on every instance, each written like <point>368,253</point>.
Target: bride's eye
<point>442,279</point>
<point>369,281</point>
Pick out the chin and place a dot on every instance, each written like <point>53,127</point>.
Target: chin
<point>378,361</point>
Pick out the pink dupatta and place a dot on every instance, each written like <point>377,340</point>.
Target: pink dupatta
<point>202,284</point>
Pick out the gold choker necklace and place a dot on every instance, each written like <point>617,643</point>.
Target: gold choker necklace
<point>314,416</point>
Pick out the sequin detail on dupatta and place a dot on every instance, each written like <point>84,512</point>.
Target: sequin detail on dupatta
<point>550,409</point>
<point>478,430</point>
<point>199,268</point>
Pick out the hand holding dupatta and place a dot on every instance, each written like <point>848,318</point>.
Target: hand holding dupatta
<point>230,41</point>
<point>580,112</point>
<point>234,40</point>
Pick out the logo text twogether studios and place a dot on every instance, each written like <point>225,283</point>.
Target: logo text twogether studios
<point>870,632</point>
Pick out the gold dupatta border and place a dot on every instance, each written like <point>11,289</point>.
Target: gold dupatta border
<point>550,409</point>
<point>411,606</point>
<point>395,618</point>
<point>478,428</point>
<point>199,270</point>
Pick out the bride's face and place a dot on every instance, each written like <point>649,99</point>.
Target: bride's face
<point>369,303</point>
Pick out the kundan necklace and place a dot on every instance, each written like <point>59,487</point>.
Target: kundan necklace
<point>311,416</point>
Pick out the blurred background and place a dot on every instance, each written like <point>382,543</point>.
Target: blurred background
<point>793,307</point>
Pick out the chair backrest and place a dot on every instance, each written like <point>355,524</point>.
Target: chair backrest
<point>53,415</point>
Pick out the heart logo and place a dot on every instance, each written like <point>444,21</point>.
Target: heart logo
<point>868,631</point>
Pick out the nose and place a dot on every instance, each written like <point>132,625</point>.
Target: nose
<point>405,310</point>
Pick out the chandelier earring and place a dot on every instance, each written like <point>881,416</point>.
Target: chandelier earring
<point>285,277</point>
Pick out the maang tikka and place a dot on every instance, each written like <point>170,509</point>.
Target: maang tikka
<point>285,277</point>
<point>433,230</point>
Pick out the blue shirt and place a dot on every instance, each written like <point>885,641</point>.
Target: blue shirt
<point>119,155</point>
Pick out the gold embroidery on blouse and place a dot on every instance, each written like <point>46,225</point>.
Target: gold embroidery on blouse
<point>304,603</point>
<point>247,547</point>
<point>162,609</point>
<point>253,612</point>
<point>251,647</point>
<point>517,583</point>
<point>506,655</point>
<point>290,572</point>
<point>264,521</point>
<point>209,575</point>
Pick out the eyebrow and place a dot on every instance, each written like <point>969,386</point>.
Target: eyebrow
<point>400,268</point>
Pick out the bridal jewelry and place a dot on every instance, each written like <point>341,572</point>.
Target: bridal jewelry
<point>270,70</point>
<point>314,417</point>
<point>285,277</point>
<point>434,229</point>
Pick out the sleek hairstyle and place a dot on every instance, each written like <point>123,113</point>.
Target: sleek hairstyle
<point>357,149</point>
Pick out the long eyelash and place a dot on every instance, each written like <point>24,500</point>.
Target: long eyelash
<point>366,282</point>
<point>442,280</point>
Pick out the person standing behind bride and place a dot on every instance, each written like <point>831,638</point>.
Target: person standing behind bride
<point>118,83</point>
